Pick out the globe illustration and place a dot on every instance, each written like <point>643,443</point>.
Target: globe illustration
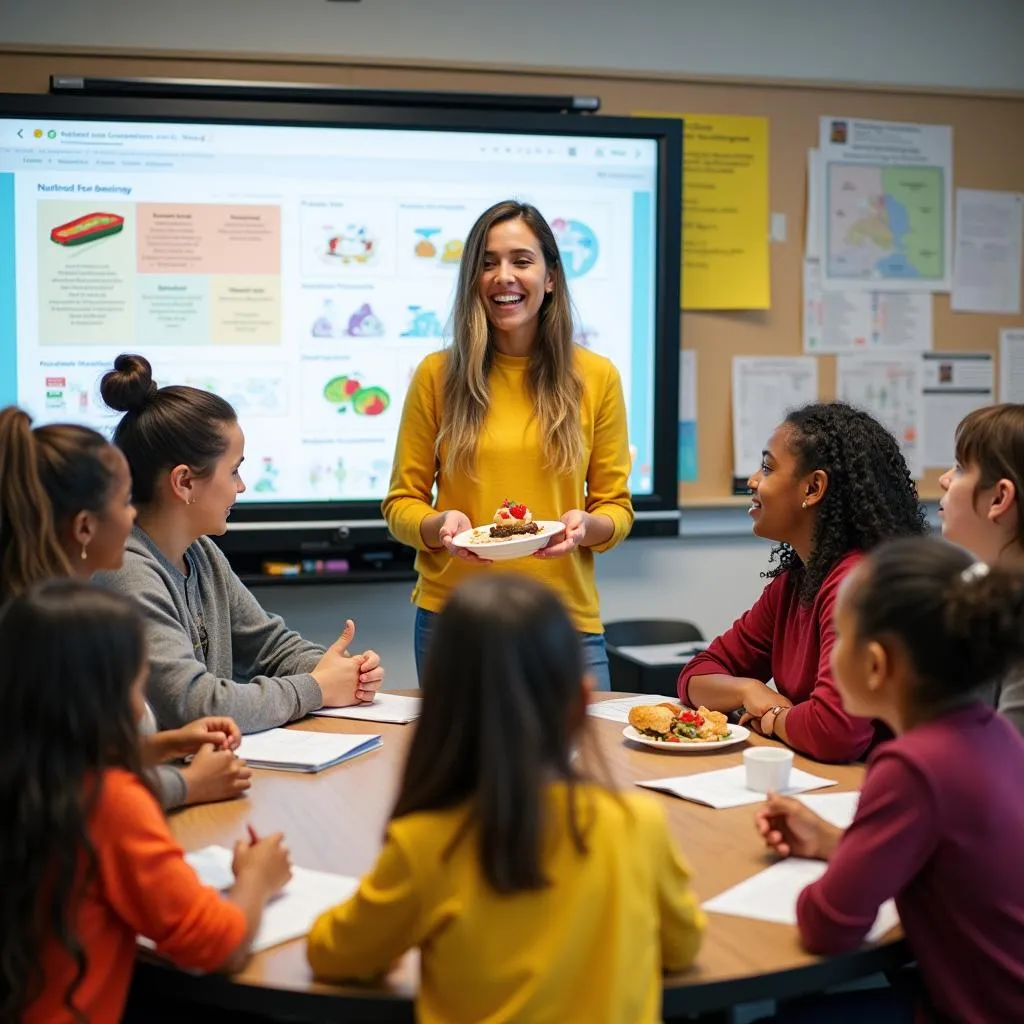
<point>578,245</point>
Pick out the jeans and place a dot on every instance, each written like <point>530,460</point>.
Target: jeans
<point>595,657</point>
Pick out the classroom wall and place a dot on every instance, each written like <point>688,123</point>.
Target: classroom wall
<point>962,43</point>
<point>711,574</point>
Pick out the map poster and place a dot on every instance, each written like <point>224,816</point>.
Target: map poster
<point>886,212</point>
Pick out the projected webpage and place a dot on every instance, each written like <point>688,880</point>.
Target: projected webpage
<point>301,273</point>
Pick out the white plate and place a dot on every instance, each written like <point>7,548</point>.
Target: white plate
<point>479,540</point>
<point>737,734</point>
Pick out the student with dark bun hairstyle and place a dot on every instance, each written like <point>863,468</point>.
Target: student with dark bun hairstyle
<point>66,511</point>
<point>921,629</point>
<point>212,647</point>
<point>982,509</point>
<point>831,486</point>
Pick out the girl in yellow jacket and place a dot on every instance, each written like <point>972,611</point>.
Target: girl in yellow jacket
<point>533,893</point>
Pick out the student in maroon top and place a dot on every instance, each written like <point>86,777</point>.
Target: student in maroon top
<point>920,629</point>
<point>832,485</point>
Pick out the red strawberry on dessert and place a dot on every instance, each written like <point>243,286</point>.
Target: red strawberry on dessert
<point>512,519</point>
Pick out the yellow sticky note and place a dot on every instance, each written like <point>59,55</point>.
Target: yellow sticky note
<point>725,258</point>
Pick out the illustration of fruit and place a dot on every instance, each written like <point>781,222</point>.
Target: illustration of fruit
<point>452,252</point>
<point>87,229</point>
<point>425,248</point>
<point>371,401</point>
<point>339,390</point>
<point>353,244</point>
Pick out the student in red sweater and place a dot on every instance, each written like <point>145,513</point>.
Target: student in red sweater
<point>920,631</point>
<point>832,484</point>
<point>89,862</point>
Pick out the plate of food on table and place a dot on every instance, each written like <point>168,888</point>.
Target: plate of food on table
<point>674,728</point>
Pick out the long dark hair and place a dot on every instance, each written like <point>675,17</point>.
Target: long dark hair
<point>70,654</point>
<point>47,476</point>
<point>961,623</point>
<point>871,496</point>
<point>551,376</point>
<point>163,427</point>
<point>501,692</point>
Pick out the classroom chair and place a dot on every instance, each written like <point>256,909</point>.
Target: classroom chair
<point>634,676</point>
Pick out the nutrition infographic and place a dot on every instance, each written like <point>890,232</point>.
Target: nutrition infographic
<point>306,303</point>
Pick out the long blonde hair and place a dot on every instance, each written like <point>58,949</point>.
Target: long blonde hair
<point>552,379</point>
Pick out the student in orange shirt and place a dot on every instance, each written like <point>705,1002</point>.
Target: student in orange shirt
<point>533,892</point>
<point>89,860</point>
<point>66,510</point>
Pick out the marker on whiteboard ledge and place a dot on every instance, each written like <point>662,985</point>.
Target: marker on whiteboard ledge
<point>281,568</point>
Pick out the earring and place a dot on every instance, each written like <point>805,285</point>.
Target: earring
<point>84,553</point>
<point>803,504</point>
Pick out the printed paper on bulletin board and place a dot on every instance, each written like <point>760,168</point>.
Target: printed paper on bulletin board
<point>725,256</point>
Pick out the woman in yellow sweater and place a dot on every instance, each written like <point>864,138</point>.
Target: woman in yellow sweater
<point>532,892</point>
<point>513,409</point>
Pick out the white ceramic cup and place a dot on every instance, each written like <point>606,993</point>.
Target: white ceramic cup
<point>768,768</point>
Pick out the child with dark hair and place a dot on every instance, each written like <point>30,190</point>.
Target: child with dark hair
<point>832,485</point>
<point>532,892</point>
<point>920,630</point>
<point>981,509</point>
<point>66,511</point>
<point>89,861</point>
<point>213,649</point>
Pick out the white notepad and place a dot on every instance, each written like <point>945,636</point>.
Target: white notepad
<point>617,709</point>
<point>386,707</point>
<point>771,895</point>
<point>295,750</point>
<point>836,808</point>
<point>292,912</point>
<point>726,787</point>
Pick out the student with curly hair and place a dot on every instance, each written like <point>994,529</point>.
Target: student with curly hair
<point>832,485</point>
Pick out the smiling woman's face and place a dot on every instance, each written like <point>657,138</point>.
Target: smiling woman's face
<point>514,279</point>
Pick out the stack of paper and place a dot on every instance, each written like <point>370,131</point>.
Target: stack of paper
<point>771,895</point>
<point>294,750</point>
<point>292,913</point>
<point>617,710</point>
<point>836,808</point>
<point>385,707</point>
<point>727,787</point>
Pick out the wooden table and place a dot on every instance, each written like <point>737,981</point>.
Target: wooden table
<point>334,821</point>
